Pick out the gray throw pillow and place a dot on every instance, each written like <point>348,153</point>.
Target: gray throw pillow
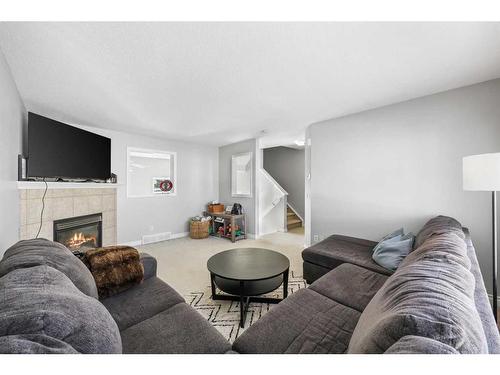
<point>38,252</point>
<point>390,253</point>
<point>41,301</point>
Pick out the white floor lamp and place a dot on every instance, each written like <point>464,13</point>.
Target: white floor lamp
<point>482,173</point>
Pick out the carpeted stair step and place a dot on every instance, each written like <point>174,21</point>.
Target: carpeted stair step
<point>294,223</point>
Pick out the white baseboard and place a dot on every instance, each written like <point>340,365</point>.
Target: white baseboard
<point>179,235</point>
<point>172,237</point>
<point>263,234</point>
<point>175,236</point>
<point>133,243</point>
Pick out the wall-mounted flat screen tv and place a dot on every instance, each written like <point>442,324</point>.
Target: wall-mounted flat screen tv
<point>58,150</point>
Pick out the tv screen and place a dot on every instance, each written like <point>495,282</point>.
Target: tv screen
<point>58,150</point>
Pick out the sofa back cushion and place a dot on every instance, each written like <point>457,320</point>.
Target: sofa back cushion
<point>41,311</point>
<point>442,248</point>
<point>37,252</point>
<point>431,295</point>
<point>438,225</point>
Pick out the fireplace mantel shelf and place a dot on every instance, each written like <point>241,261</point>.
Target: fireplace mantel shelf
<point>64,185</point>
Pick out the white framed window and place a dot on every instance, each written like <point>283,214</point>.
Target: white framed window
<point>241,175</point>
<point>151,173</point>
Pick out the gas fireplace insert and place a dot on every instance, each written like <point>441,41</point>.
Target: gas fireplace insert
<point>79,233</point>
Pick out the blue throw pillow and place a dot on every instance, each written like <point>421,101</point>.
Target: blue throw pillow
<point>397,234</point>
<point>391,252</point>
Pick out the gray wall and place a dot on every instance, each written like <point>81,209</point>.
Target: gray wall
<point>197,185</point>
<point>249,204</point>
<point>399,165</point>
<point>12,118</point>
<point>286,165</point>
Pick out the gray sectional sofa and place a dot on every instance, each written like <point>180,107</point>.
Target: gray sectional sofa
<point>435,302</point>
<point>335,250</point>
<point>49,304</point>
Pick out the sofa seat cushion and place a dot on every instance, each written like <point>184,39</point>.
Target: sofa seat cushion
<point>178,330</point>
<point>141,302</point>
<point>350,285</point>
<point>305,322</point>
<point>431,295</point>
<point>41,301</point>
<point>336,250</point>
<point>37,252</point>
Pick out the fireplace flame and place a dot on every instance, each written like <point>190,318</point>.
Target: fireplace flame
<point>78,239</point>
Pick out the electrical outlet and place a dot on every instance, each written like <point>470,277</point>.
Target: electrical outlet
<point>316,238</point>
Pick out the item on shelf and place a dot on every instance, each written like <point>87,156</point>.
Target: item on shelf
<point>219,220</point>
<point>201,218</point>
<point>113,179</point>
<point>230,229</point>
<point>215,208</point>
<point>237,209</point>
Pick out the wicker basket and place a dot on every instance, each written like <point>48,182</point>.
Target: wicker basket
<point>216,208</point>
<point>199,229</point>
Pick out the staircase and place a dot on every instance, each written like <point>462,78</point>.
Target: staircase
<point>272,204</point>
<point>292,220</point>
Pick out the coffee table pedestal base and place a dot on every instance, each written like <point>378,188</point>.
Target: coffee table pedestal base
<point>246,292</point>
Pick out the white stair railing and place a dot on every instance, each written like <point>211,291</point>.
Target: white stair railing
<point>272,204</point>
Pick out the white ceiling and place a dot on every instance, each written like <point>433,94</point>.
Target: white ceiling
<point>218,83</point>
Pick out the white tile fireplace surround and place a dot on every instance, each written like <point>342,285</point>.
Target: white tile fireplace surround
<point>62,203</point>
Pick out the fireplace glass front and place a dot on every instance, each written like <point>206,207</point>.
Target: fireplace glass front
<point>79,233</point>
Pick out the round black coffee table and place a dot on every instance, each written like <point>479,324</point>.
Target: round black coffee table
<point>246,273</point>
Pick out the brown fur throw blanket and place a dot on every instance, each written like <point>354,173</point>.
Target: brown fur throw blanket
<point>115,269</point>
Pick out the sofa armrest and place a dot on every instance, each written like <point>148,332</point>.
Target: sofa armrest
<point>150,265</point>
<point>420,345</point>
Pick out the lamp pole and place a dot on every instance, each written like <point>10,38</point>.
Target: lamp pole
<point>482,173</point>
<point>495,267</point>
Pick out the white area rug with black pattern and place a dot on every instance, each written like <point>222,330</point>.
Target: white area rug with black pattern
<point>225,315</point>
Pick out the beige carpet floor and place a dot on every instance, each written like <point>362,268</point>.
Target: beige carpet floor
<point>182,263</point>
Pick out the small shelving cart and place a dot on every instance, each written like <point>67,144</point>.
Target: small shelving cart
<point>229,222</point>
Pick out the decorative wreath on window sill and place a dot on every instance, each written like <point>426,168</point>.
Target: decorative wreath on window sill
<point>166,185</point>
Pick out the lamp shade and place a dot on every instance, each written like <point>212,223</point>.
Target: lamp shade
<point>481,172</point>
